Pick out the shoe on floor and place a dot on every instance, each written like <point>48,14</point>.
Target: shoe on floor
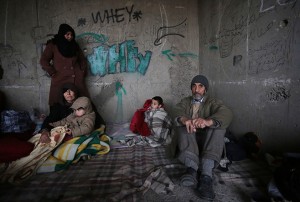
<point>189,179</point>
<point>205,188</point>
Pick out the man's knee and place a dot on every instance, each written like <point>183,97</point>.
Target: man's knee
<point>213,144</point>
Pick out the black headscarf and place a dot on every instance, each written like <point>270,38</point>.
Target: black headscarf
<point>61,109</point>
<point>65,47</point>
<point>65,87</point>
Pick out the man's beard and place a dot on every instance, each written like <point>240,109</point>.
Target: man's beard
<point>198,96</point>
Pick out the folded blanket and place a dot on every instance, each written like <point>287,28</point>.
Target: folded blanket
<point>75,149</point>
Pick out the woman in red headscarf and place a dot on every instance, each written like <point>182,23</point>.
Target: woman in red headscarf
<point>64,61</point>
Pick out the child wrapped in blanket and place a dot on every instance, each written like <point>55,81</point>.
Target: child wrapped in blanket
<point>158,121</point>
<point>81,121</point>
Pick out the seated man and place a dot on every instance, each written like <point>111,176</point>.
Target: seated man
<point>201,125</point>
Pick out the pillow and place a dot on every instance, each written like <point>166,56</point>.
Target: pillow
<point>12,148</point>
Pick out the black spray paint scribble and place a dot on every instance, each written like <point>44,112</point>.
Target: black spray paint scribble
<point>167,31</point>
<point>278,93</point>
<point>81,22</point>
<point>237,59</point>
<point>117,15</point>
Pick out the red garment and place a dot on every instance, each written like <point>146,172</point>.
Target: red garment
<point>14,146</point>
<point>137,124</point>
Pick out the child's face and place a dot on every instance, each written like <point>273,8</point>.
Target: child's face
<point>155,105</point>
<point>79,112</point>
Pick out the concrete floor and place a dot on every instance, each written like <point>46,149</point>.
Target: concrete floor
<point>224,193</point>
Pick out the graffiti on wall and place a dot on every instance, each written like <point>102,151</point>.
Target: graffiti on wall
<point>165,31</point>
<point>11,58</point>
<point>118,58</point>
<point>266,37</point>
<point>117,15</point>
<point>266,5</point>
<point>120,90</point>
<point>234,32</point>
<point>268,57</point>
<point>98,38</point>
<point>237,59</point>
<point>170,54</point>
<point>247,23</point>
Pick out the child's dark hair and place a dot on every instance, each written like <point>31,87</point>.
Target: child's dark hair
<point>158,99</point>
<point>249,142</point>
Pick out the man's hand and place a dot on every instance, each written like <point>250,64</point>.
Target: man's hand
<point>45,137</point>
<point>193,124</point>
<point>190,127</point>
<point>188,124</point>
<point>202,123</point>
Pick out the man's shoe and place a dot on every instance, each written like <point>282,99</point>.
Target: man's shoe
<point>205,188</point>
<point>189,179</point>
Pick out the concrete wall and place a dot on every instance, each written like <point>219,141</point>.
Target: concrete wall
<point>248,50</point>
<point>160,40</point>
<point>251,53</point>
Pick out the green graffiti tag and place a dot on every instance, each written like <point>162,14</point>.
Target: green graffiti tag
<point>119,90</point>
<point>100,38</point>
<point>213,47</point>
<point>192,55</point>
<point>118,59</point>
<point>169,54</point>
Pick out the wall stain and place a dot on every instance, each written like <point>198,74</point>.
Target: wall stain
<point>278,93</point>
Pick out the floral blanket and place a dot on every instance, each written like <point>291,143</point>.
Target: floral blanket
<point>18,171</point>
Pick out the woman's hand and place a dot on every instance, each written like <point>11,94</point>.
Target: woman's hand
<point>68,131</point>
<point>45,137</point>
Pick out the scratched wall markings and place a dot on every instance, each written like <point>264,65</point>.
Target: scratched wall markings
<point>245,23</point>
<point>267,5</point>
<point>270,56</point>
